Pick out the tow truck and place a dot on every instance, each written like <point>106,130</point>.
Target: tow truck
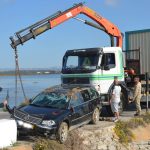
<point>95,67</point>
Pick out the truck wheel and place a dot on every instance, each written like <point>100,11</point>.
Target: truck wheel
<point>122,103</point>
<point>62,132</point>
<point>95,116</point>
<point>109,111</point>
<point>120,107</point>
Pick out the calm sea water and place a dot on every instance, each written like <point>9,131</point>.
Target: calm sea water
<point>32,85</point>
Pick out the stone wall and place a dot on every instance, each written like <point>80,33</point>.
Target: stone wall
<point>99,137</point>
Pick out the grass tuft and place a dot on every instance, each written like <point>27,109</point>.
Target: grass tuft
<point>146,118</point>
<point>135,122</point>
<point>46,144</point>
<point>123,129</point>
<point>123,132</point>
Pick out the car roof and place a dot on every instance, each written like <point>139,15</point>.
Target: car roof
<point>65,88</point>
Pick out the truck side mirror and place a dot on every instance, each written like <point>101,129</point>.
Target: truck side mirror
<point>99,67</point>
<point>106,67</point>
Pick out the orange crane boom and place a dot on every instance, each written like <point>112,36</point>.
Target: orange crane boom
<point>60,17</point>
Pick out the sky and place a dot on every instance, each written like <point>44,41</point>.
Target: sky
<point>48,49</point>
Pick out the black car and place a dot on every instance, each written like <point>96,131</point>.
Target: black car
<point>58,109</point>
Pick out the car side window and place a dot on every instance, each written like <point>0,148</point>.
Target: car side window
<point>76,100</point>
<point>85,95</point>
<point>93,94</point>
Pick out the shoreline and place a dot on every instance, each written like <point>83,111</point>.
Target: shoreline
<point>28,74</point>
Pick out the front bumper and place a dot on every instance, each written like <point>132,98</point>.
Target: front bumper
<point>29,128</point>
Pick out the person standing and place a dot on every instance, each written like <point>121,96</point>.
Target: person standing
<point>115,99</point>
<point>137,95</point>
<point>1,105</point>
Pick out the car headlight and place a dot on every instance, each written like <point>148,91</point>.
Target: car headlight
<point>48,122</point>
<point>20,123</point>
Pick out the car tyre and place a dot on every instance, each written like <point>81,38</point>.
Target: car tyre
<point>62,132</point>
<point>95,116</point>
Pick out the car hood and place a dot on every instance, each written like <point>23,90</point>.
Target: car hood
<point>44,112</point>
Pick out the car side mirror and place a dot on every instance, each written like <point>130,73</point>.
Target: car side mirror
<point>72,109</point>
<point>30,100</point>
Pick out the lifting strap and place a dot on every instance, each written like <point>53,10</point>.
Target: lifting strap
<point>17,74</point>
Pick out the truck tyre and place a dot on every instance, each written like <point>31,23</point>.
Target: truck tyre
<point>95,116</point>
<point>62,132</point>
<point>122,104</point>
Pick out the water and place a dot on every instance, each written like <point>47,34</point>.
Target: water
<point>32,85</point>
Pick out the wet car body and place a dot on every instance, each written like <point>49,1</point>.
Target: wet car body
<point>58,105</point>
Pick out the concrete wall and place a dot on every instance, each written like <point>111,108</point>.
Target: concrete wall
<point>8,132</point>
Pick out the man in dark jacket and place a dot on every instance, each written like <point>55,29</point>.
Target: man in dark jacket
<point>3,104</point>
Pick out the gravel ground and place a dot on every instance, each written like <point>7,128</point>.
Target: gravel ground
<point>4,115</point>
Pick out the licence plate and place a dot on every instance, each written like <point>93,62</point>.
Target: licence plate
<point>25,124</point>
<point>28,126</point>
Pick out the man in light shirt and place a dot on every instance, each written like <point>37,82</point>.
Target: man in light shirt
<point>115,99</point>
<point>137,95</point>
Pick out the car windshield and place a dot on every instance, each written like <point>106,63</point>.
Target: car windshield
<point>51,99</point>
<point>82,62</point>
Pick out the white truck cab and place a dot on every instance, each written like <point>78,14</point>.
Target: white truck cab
<point>93,66</point>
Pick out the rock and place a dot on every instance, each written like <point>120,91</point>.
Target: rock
<point>95,137</point>
<point>86,142</point>
<point>94,147</point>
<point>112,147</point>
<point>102,147</point>
<point>22,147</point>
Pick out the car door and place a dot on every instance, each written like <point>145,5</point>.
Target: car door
<point>76,106</point>
<point>95,101</point>
<point>86,109</point>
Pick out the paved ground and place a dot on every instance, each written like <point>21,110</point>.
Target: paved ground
<point>129,112</point>
<point>4,115</point>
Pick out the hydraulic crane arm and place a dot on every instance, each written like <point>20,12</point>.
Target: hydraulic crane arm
<point>52,21</point>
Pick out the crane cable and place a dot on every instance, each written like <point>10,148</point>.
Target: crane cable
<point>17,74</point>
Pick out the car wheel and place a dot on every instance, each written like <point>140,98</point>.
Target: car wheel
<point>95,116</point>
<point>63,132</point>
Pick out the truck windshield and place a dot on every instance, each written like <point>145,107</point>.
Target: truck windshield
<point>81,62</point>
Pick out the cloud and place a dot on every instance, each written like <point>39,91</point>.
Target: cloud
<point>111,2</point>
